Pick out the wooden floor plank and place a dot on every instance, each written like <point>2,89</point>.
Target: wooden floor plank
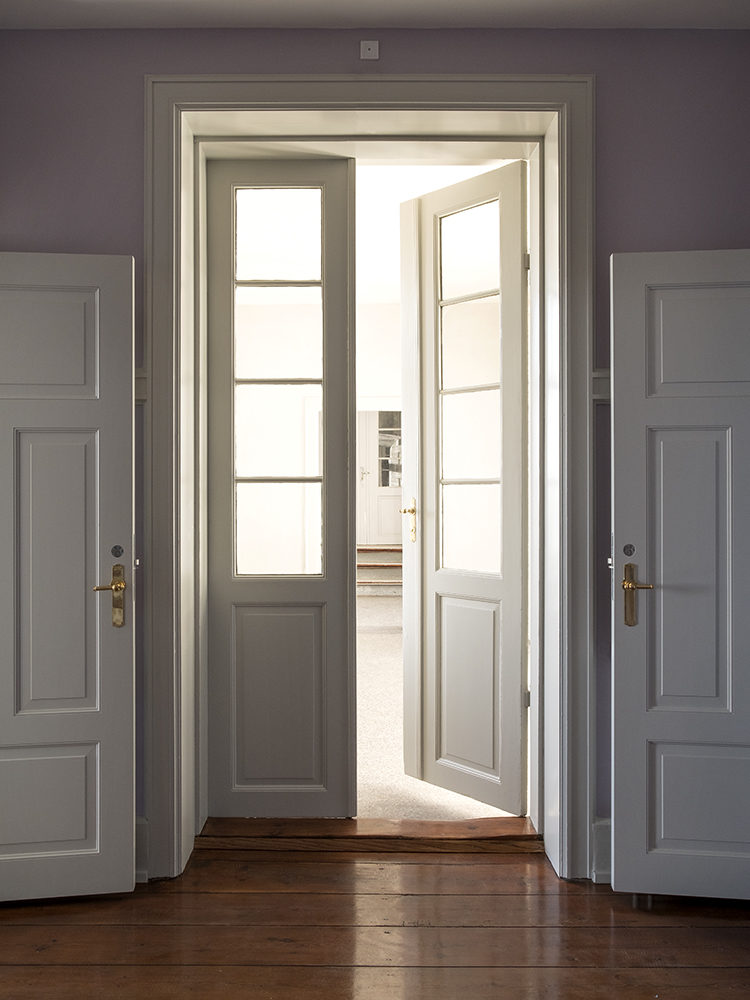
<point>232,983</point>
<point>219,875</point>
<point>422,845</point>
<point>242,852</point>
<point>512,826</point>
<point>387,947</point>
<point>388,910</point>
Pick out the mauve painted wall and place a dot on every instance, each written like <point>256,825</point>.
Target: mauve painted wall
<point>672,141</point>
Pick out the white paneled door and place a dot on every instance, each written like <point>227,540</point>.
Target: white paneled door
<point>681,628</point>
<point>281,488</point>
<point>67,811</point>
<point>470,727</point>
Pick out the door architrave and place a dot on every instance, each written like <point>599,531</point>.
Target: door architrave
<point>559,112</point>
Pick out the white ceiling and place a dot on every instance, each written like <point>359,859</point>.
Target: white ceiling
<point>375,13</point>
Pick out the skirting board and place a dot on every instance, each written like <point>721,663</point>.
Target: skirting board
<point>141,849</point>
<point>601,868</point>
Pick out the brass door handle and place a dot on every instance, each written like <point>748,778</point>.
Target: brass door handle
<point>411,510</point>
<point>630,586</point>
<point>117,586</point>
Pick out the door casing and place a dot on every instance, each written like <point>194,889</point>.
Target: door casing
<point>183,116</point>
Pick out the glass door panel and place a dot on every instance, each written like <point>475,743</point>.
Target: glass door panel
<point>278,331</point>
<point>277,430</point>
<point>470,429</point>
<point>278,528</point>
<point>471,343</point>
<point>278,381</point>
<point>472,435</point>
<point>277,234</point>
<point>472,518</point>
<point>470,251</point>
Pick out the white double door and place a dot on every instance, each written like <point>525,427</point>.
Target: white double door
<point>282,474</point>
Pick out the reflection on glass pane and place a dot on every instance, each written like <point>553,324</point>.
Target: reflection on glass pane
<point>278,332</point>
<point>471,343</point>
<point>471,528</point>
<point>279,528</point>
<point>389,418</point>
<point>278,234</point>
<point>470,251</point>
<point>471,435</point>
<point>277,430</point>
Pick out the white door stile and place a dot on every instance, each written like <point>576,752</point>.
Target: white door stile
<point>67,770</point>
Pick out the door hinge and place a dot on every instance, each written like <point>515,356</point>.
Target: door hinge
<point>527,699</point>
<point>527,261</point>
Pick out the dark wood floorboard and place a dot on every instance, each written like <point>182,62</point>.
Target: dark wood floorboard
<point>306,925</point>
<point>510,835</point>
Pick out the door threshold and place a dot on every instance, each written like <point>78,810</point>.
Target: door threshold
<point>498,835</point>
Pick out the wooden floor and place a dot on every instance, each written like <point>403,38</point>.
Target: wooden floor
<point>287,921</point>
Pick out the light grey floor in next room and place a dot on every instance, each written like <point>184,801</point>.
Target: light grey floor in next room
<point>384,791</point>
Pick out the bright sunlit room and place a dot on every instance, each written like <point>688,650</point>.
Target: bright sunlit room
<point>385,790</point>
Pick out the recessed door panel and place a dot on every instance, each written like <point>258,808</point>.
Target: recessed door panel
<point>277,674</point>
<point>66,780</point>
<point>719,826</point>
<point>467,723</point>
<point>697,339</point>
<point>48,342</point>
<point>57,522</point>
<point>691,628</point>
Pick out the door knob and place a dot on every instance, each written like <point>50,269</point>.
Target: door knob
<point>117,586</point>
<point>630,586</point>
<point>411,510</point>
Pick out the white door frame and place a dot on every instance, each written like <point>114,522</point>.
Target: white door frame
<point>558,111</point>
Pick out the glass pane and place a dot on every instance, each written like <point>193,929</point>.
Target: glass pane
<point>277,430</point>
<point>278,332</point>
<point>470,251</point>
<point>278,234</point>
<point>279,528</point>
<point>471,435</point>
<point>471,528</point>
<point>389,456</point>
<point>471,343</point>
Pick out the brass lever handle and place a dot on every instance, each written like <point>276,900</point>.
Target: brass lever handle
<point>411,510</point>
<point>117,586</point>
<point>630,585</point>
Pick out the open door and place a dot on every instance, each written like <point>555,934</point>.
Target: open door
<point>464,580</point>
<point>67,814</point>
<point>681,629</point>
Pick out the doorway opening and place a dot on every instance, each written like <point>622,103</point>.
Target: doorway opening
<point>384,788</point>
<point>190,120</point>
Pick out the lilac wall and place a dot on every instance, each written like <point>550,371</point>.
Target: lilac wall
<point>672,142</point>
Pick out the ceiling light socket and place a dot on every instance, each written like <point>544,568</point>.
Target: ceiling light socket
<point>369,49</point>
